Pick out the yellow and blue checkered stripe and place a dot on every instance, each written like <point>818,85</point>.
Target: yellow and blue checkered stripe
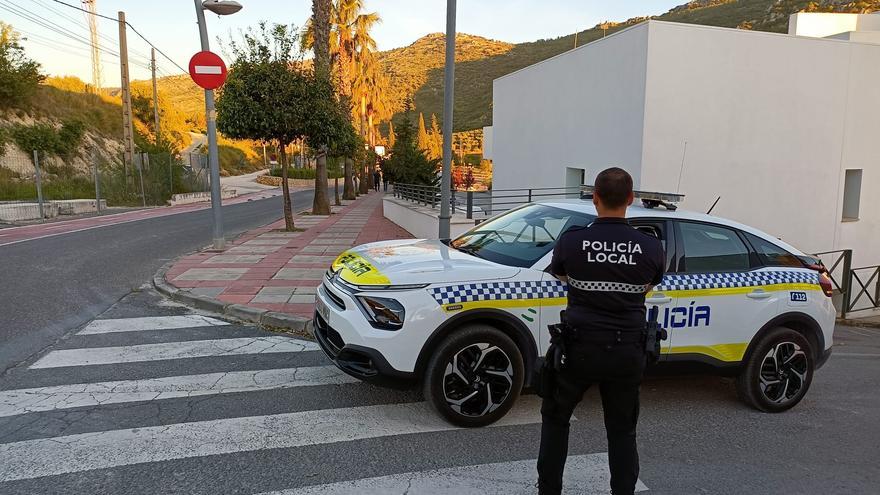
<point>553,292</point>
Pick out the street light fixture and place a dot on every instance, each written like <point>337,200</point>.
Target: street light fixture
<point>218,7</point>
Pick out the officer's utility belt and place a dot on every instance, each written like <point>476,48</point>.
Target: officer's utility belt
<point>608,336</point>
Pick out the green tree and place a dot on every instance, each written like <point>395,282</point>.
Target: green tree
<point>407,163</point>
<point>267,94</point>
<point>423,140</point>
<point>436,148</point>
<point>19,75</point>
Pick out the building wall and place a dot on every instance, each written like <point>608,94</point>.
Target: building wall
<point>581,109</point>
<point>487,142</point>
<point>769,123</point>
<point>821,25</point>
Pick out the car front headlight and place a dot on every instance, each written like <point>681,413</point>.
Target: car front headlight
<point>383,312</point>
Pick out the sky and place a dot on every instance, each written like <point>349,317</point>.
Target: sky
<point>57,36</point>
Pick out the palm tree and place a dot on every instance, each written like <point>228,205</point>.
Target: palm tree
<point>321,10</point>
<point>351,50</point>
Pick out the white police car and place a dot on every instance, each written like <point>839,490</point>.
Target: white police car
<point>467,319</point>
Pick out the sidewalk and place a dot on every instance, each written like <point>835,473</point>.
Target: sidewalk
<point>278,271</point>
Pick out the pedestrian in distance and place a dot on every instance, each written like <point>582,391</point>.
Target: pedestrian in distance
<point>384,181</point>
<point>377,178</point>
<point>609,267</point>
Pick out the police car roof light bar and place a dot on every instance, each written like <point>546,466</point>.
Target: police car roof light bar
<point>650,199</point>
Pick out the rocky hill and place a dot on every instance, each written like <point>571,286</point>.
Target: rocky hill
<point>417,70</point>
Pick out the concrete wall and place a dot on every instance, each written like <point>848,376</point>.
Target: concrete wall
<point>421,221</point>
<point>770,127</point>
<point>821,25</point>
<point>581,109</point>
<point>487,142</point>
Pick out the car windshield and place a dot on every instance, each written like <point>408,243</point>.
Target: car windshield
<point>520,237</point>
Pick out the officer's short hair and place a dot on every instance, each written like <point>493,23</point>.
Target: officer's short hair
<point>613,186</point>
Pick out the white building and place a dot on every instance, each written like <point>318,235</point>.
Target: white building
<point>784,127</point>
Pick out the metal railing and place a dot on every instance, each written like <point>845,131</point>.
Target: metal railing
<point>858,288</point>
<point>482,203</point>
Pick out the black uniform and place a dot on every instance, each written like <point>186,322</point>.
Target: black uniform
<point>609,266</point>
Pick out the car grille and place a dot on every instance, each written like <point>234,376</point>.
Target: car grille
<point>328,335</point>
<point>336,300</point>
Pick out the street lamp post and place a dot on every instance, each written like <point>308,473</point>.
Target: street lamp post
<point>220,8</point>
<point>448,92</point>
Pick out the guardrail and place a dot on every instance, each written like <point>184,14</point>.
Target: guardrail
<point>839,264</point>
<point>872,274</point>
<point>483,203</point>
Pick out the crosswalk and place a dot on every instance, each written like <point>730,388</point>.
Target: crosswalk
<point>123,400</point>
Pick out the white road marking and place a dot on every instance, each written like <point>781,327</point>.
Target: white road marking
<point>99,450</point>
<point>584,474</point>
<point>149,323</point>
<point>172,350</point>
<point>856,354</point>
<point>208,69</point>
<point>23,401</point>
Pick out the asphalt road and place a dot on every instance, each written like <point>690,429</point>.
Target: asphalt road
<point>122,407</point>
<point>51,285</point>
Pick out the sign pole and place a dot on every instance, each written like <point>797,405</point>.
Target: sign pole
<point>448,92</point>
<point>213,156</point>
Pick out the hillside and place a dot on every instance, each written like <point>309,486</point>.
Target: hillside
<point>417,70</point>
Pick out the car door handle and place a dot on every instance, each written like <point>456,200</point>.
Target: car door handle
<point>759,294</point>
<point>658,299</point>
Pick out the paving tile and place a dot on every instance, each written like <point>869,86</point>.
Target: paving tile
<point>300,274</point>
<point>235,258</point>
<point>311,258</point>
<point>301,299</point>
<point>306,290</point>
<point>207,291</point>
<point>280,235</point>
<point>269,241</point>
<point>316,249</point>
<point>254,249</point>
<point>332,242</point>
<point>276,291</point>
<point>270,299</point>
<point>212,274</point>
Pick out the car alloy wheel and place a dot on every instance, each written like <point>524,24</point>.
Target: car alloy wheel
<point>783,372</point>
<point>478,379</point>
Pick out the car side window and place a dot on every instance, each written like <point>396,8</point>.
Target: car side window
<point>712,248</point>
<point>770,254</point>
<point>657,229</point>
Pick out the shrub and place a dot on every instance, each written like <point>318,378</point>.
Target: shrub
<point>304,173</point>
<point>19,75</point>
<point>44,137</point>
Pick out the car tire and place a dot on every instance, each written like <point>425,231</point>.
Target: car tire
<point>474,376</point>
<point>778,372</point>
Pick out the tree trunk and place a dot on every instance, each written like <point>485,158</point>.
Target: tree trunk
<point>363,186</point>
<point>336,191</point>
<point>321,204</point>
<point>321,27</point>
<point>285,190</point>
<point>348,185</point>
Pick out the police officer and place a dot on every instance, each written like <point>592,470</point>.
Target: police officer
<point>609,267</point>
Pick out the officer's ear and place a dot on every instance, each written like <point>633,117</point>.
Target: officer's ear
<point>630,198</point>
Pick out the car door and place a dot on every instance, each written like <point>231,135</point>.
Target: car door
<point>660,298</point>
<point>720,303</point>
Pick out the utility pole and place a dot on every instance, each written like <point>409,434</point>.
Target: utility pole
<point>155,96</point>
<point>448,98</point>
<point>213,153</point>
<point>91,6</point>
<point>127,127</point>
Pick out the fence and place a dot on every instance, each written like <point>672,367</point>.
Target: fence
<point>482,203</point>
<point>857,288</point>
<point>38,187</point>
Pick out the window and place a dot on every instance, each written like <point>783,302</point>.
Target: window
<point>852,190</point>
<point>772,255</point>
<point>710,248</point>
<point>520,237</point>
<point>656,228</point>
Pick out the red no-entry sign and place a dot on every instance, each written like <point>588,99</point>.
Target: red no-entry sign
<point>207,70</point>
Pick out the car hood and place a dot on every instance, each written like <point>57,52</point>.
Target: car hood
<point>414,261</point>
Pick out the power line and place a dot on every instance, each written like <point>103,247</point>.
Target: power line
<point>129,25</point>
<point>54,27</point>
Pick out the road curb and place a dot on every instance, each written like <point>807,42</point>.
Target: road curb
<point>269,320</point>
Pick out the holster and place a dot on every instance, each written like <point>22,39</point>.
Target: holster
<point>654,334</point>
<point>554,360</point>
